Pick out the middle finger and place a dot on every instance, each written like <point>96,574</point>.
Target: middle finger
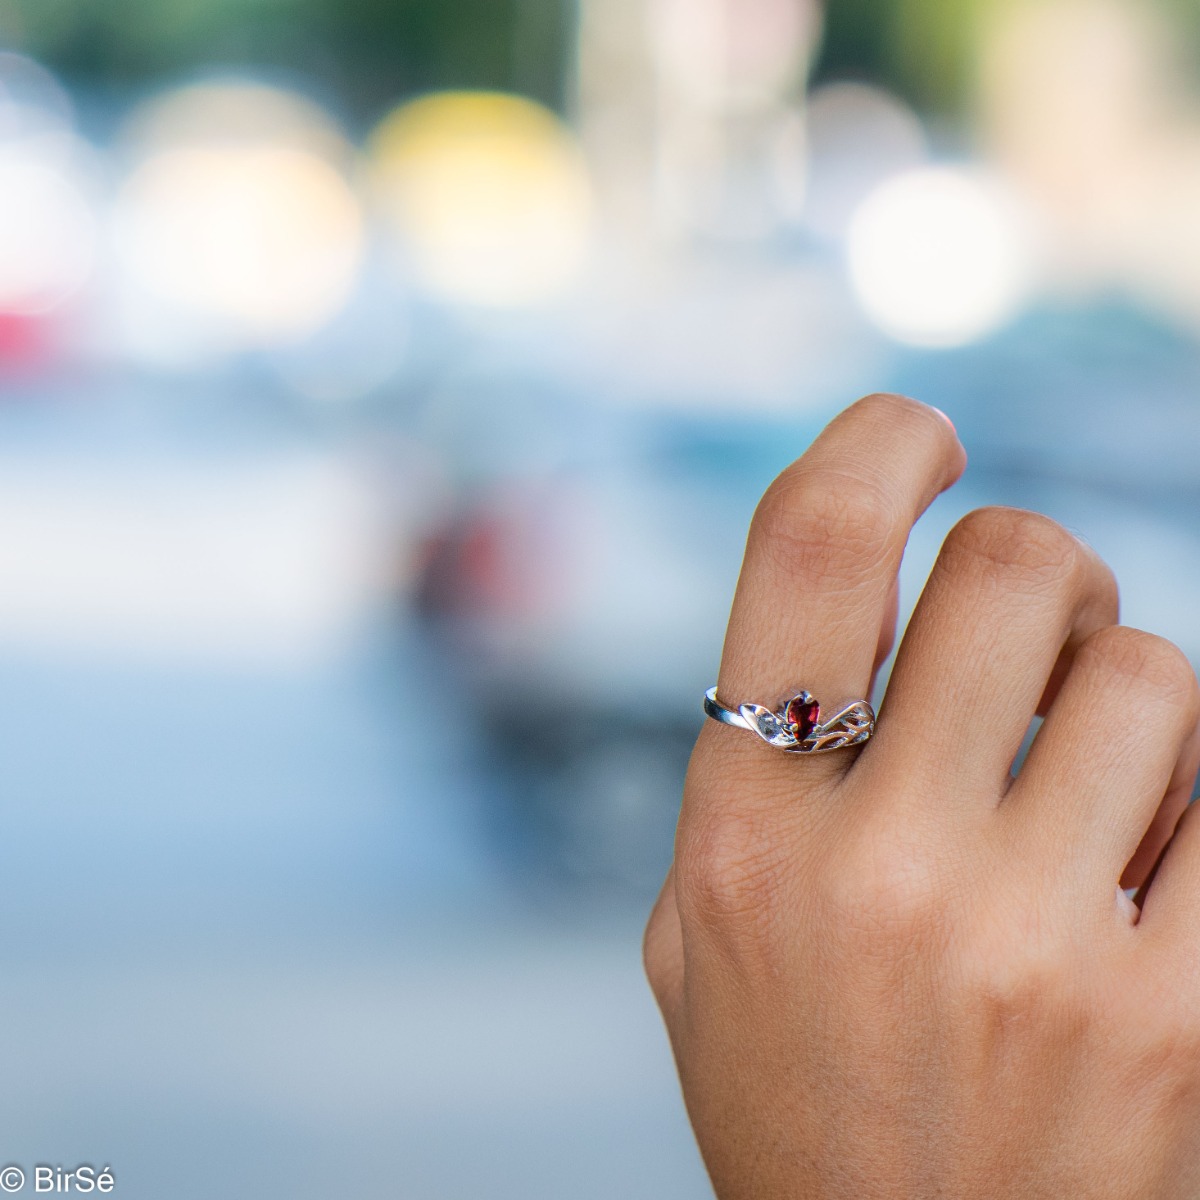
<point>1011,597</point>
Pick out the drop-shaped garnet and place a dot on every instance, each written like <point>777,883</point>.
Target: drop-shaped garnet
<point>802,714</point>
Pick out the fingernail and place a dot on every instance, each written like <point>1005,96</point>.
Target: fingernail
<point>944,418</point>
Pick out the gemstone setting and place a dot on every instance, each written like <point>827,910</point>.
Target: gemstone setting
<point>802,714</point>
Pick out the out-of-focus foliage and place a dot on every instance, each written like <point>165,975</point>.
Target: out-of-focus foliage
<point>369,51</point>
<point>927,49</point>
<point>921,47</point>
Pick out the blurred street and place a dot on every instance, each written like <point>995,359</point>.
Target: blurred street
<point>262,927</point>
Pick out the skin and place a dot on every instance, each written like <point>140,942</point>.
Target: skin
<point>897,971</point>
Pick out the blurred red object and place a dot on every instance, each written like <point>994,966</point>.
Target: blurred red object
<point>26,341</point>
<point>491,562</point>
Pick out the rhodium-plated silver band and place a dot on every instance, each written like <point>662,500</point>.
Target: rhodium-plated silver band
<point>795,726</point>
<point>727,716</point>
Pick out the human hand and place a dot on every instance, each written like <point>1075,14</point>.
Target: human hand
<point>896,971</point>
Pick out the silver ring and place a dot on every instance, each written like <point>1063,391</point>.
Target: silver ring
<point>796,725</point>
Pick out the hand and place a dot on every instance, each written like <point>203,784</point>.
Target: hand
<point>898,971</point>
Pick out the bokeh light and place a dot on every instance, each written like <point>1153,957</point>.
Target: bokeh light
<point>47,230</point>
<point>238,216</point>
<point>235,112</point>
<point>487,196</point>
<point>939,256</point>
<point>47,233</point>
<point>268,238</point>
<point>858,136</point>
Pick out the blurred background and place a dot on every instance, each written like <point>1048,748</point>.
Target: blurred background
<point>385,388</point>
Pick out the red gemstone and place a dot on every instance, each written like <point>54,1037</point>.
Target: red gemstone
<point>802,715</point>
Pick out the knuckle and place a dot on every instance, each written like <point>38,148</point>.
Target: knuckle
<point>1044,989</point>
<point>1159,1025</point>
<point>726,872</point>
<point>1147,658</point>
<point>658,960</point>
<point>1018,962</point>
<point>1177,1030</point>
<point>1165,1006</point>
<point>1016,545</point>
<point>825,524</point>
<point>884,894</point>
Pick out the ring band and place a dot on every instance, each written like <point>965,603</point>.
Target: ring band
<point>796,726</point>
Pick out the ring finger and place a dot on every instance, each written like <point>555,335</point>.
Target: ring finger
<point>815,602</point>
